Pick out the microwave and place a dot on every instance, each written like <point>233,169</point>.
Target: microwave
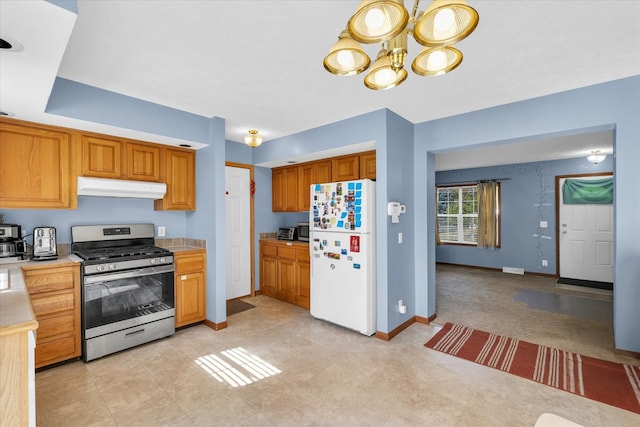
<point>303,231</point>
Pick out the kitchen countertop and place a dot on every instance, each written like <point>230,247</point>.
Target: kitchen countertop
<point>286,242</point>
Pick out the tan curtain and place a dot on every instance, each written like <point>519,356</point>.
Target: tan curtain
<point>487,214</point>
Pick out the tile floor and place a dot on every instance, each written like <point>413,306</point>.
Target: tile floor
<point>305,372</point>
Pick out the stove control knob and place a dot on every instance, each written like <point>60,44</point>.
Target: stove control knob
<point>163,260</point>
<point>112,266</point>
<point>153,260</point>
<point>100,267</point>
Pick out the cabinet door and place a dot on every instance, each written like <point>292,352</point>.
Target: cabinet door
<point>284,183</point>
<point>190,298</point>
<point>269,277</point>
<point>345,168</point>
<point>286,279</point>
<point>303,279</point>
<point>102,157</point>
<point>179,173</point>
<point>36,170</point>
<point>311,173</point>
<point>305,179</point>
<point>278,190</point>
<point>291,191</point>
<point>143,162</point>
<point>368,165</point>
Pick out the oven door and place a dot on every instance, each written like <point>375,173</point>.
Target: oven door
<point>115,301</point>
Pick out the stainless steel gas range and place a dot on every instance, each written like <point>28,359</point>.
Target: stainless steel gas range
<point>127,287</point>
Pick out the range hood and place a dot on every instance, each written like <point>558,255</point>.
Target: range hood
<point>103,187</point>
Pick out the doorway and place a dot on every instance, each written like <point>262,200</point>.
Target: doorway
<point>239,230</point>
<point>585,230</point>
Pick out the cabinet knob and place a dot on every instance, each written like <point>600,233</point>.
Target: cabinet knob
<point>183,277</point>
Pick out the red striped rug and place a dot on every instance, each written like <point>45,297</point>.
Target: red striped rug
<point>612,383</point>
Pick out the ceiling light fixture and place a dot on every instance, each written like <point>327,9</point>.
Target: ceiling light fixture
<point>596,157</point>
<point>438,28</point>
<point>253,140</point>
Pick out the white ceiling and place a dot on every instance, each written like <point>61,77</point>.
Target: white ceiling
<point>258,64</point>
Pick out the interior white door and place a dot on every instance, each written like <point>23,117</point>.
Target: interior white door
<point>586,240</point>
<point>238,232</point>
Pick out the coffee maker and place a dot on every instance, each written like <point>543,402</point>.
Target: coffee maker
<point>12,247</point>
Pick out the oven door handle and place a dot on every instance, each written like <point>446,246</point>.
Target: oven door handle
<point>147,271</point>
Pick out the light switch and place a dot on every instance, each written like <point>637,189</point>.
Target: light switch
<point>399,237</point>
<point>543,224</point>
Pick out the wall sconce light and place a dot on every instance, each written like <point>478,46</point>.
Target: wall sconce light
<point>596,157</point>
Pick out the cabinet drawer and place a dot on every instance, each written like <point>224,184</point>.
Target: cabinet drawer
<point>48,280</point>
<point>52,303</point>
<point>189,262</point>
<point>269,250</point>
<point>302,254</point>
<point>55,326</point>
<point>286,252</point>
<point>55,351</point>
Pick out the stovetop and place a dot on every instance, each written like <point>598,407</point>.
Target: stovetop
<point>119,253</point>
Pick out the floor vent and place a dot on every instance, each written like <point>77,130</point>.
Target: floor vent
<point>513,270</point>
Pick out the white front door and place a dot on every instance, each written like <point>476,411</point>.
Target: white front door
<point>238,229</point>
<point>586,240</point>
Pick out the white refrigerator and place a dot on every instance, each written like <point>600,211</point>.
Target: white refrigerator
<point>342,245</point>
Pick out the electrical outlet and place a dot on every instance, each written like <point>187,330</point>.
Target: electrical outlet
<point>161,231</point>
<point>545,263</point>
<point>544,224</point>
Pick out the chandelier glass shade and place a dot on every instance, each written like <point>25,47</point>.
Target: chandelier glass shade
<point>252,139</point>
<point>346,57</point>
<point>438,28</point>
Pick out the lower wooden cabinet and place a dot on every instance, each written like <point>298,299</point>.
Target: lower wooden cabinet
<point>55,298</point>
<point>285,271</point>
<point>190,286</point>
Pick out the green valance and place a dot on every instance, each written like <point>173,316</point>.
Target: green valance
<point>588,191</point>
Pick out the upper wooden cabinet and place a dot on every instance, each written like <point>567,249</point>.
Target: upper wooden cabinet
<point>37,167</point>
<point>103,157</point>
<point>345,168</point>
<point>120,159</point>
<point>179,173</point>
<point>311,173</point>
<point>368,165</point>
<point>143,162</point>
<point>284,192</point>
<point>291,184</point>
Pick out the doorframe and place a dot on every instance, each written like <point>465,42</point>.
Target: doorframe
<point>558,178</point>
<point>251,221</point>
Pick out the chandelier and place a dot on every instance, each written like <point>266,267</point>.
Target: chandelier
<point>438,28</point>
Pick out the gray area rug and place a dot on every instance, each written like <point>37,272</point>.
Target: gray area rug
<point>237,305</point>
<point>585,308</point>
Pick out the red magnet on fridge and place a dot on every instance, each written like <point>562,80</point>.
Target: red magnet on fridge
<point>355,243</point>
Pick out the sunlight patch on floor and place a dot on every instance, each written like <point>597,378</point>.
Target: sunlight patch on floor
<point>236,367</point>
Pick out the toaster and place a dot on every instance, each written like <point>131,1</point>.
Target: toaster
<point>287,233</point>
<point>44,243</point>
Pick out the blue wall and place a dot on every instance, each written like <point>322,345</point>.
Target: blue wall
<point>527,197</point>
<point>611,105</point>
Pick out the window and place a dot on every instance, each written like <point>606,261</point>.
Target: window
<point>458,208</point>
